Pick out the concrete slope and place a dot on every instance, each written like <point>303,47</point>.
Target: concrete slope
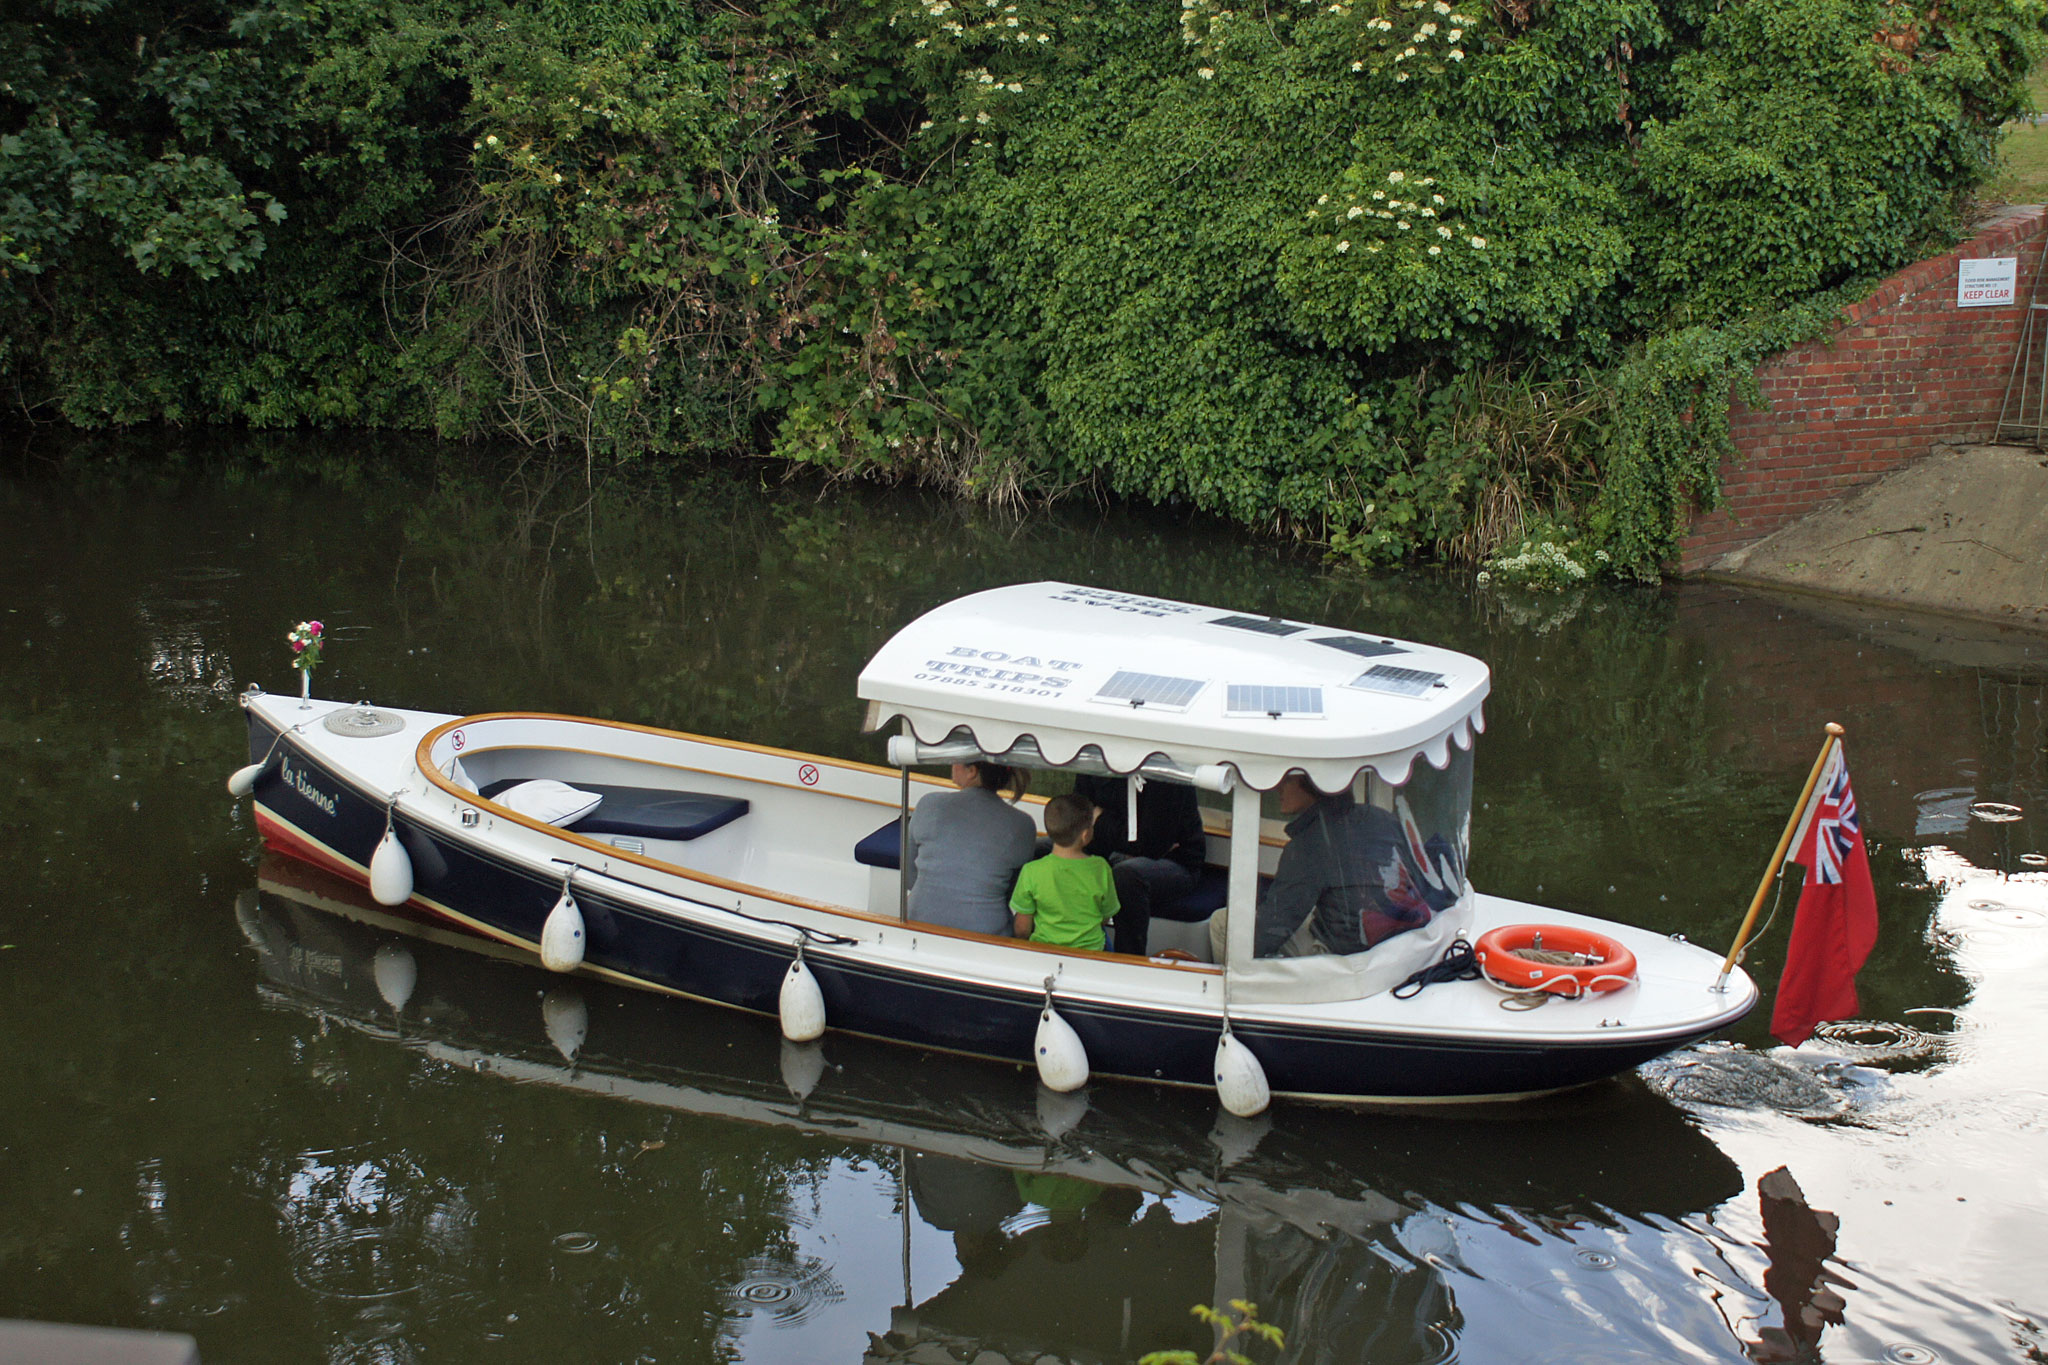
<point>1964,531</point>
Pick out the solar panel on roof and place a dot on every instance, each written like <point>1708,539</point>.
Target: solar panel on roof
<point>1249,699</point>
<point>1359,645</point>
<point>1149,689</point>
<point>1262,625</point>
<point>1402,682</point>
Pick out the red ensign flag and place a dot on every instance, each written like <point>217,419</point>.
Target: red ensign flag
<point>1836,923</point>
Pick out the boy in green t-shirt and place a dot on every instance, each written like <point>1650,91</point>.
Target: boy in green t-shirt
<point>1064,897</point>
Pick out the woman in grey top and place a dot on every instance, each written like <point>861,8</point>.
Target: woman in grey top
<point>965,848</point>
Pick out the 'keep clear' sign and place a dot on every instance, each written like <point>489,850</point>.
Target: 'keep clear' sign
<point>1991,282</point>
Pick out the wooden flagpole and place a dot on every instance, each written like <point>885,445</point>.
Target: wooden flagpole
<point>1756,903</point>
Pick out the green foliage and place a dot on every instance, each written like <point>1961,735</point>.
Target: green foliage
<point>1239,1322</point>
<point>1545,560</point>
<point>1401,276</point>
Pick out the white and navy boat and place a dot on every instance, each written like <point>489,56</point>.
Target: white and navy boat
<point>769,880</point>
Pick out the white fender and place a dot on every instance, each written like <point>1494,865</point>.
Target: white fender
<point>802,1004</point>
<point>255,928</point>
<point>567,1020</point>
<point>1235,1139</point>
<point>1240,1080</point>
<point>391,871</point>
<point>396,974</point>
<point>1062,1060</point>
<point>561,938</point>
<point>242,781</point>
<point>1060,1114</point>
<point>803,1066</point>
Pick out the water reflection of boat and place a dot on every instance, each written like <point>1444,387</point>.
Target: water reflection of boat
<point>754,877</point>
<point>1325,1220</point>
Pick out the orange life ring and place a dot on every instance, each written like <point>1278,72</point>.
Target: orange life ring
<point>1611,967</point>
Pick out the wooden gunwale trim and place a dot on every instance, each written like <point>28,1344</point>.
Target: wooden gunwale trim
<point>428,770</point>
<point>427,740</point>
<point>705,772</point>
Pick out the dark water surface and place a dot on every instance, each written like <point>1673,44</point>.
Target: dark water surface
<point>232,1107</point>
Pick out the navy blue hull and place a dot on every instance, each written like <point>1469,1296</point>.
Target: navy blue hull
<point>725,967</point>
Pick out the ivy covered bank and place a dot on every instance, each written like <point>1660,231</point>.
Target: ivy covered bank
<point>1405,276</point>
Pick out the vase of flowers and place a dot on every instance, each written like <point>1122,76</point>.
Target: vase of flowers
<point>306,640</point>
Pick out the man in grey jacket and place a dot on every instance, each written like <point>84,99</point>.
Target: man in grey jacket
<point>1346,880</point>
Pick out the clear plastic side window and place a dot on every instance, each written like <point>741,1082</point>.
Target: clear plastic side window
<point>1356,873</point>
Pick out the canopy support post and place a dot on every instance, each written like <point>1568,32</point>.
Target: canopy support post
<point>903,847</point>
<point>1243,921</point>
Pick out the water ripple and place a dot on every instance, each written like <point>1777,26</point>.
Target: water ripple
<point>784,1293</point>
<point>1736,1078</point>
<point>1875,1040</point>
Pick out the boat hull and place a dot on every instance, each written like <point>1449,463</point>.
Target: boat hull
<point>309,809</point>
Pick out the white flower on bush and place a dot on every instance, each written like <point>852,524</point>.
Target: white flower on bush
<point>1403,225</point>
<point>1343,247</point>
<point>1426,31</point>
<point>1454,35</point>
<point>1455,55</point>
<point>1358,66</point>
<point>1401,76</point>
<point>1396,177</point>
<point>1372,247</point>
<point>1436,199</point>
<point>1479,244</point>
<point>1436,251</point>
<point>1207,73</point>
<point>1355,212</point>
<point>1442,232</point>
<point>1541,565</point>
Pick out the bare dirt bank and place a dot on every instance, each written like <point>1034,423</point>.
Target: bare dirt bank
<point>1963,531</point>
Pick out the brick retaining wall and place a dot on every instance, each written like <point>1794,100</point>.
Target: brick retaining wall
<point>1906,369</point>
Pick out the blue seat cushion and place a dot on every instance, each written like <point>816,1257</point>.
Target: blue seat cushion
<point>883,848</point>
<point>1209,896</point>
<point>649,812</point>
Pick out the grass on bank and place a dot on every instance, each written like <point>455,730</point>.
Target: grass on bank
<point>2023,175</point>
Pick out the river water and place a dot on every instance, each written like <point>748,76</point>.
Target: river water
<point>235,1104</point>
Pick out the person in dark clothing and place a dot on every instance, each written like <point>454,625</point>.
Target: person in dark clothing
<point>1349,876</point>
<point>1349,872</point>
<point>1158,867</point>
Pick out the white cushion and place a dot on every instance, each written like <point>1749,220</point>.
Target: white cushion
<point>543,798</point>
<point>459,775</point>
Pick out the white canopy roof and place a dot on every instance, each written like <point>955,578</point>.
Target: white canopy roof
<point>1070,667</point>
